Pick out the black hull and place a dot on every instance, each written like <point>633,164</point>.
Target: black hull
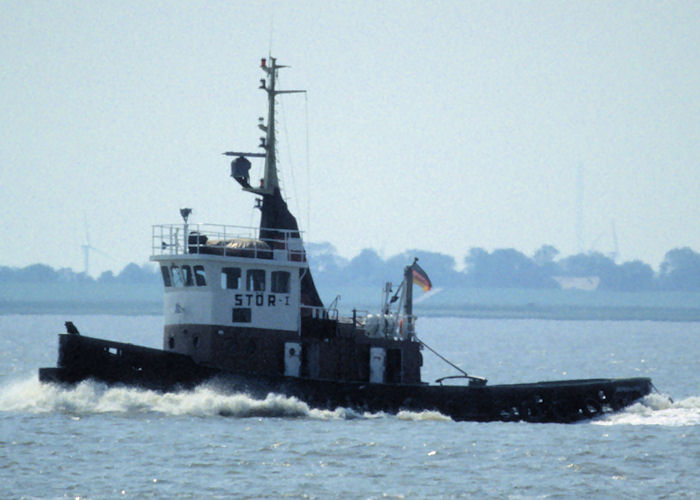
<point>82,358</point>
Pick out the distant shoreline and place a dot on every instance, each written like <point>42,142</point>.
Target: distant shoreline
<point>575,314</point>
<point>553,314</point>
<point>133,300</point>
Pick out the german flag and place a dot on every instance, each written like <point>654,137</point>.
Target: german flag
<point>420,278</point>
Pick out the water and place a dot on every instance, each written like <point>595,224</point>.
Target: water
<point>98,442</point>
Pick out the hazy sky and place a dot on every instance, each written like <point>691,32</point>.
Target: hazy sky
<point>432,125</point>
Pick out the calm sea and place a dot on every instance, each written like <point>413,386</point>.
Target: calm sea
<point>96,442</point>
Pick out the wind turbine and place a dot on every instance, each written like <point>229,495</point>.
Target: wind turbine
<point>615,253</point>
<point>87,247</point>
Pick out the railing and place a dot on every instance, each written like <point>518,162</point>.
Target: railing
<point>319,312</point>
<point>230,241</point>
<point>358,318</point>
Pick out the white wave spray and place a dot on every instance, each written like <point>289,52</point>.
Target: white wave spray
<point>657,409</point>
<point>32,396</point>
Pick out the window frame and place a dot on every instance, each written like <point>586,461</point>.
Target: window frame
<point>200,275</point>
<point>176,272</point>
<point>231,278</point>
<point>253,283</point>
<point>187,276</point>
<point>167,278</point>
<point>275,282</point>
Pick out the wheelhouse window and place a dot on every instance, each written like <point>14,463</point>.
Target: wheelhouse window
<point>167,281</point>
<point>255,280</point>
<point>200,277</point>
<point>231,278</point>
<point>177,276</point>
<point>187,275</point>
<point>279,282</point>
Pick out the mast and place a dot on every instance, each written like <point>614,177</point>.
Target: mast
<point>269,182</point>
<point>275,214</point>
<point>408,299</point>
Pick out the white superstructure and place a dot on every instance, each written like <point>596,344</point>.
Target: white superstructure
<point>225,276</point>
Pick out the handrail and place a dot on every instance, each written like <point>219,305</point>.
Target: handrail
<point>321,312</point>
<point>226,240</point>
<point>473,380</point>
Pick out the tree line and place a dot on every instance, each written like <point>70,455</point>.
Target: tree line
<point>500,268</point>
<point>510,268</point>
<point>41,273</point>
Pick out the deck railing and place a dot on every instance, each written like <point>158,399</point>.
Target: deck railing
<point>319,312</point>
<point>230,241</point>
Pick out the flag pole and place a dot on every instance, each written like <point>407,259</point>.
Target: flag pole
<point>408,302</point>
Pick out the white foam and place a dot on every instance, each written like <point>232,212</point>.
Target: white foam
<point>423,416</point>
<point>91,397</point>
<point>657,409</point>
<point>32,396</point>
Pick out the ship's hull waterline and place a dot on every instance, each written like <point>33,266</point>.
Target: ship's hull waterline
<point>114,363</point>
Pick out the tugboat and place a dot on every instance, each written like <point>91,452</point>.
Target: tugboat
<point>242,311</point>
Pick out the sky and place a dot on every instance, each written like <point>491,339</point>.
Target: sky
<point>433,125</point>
